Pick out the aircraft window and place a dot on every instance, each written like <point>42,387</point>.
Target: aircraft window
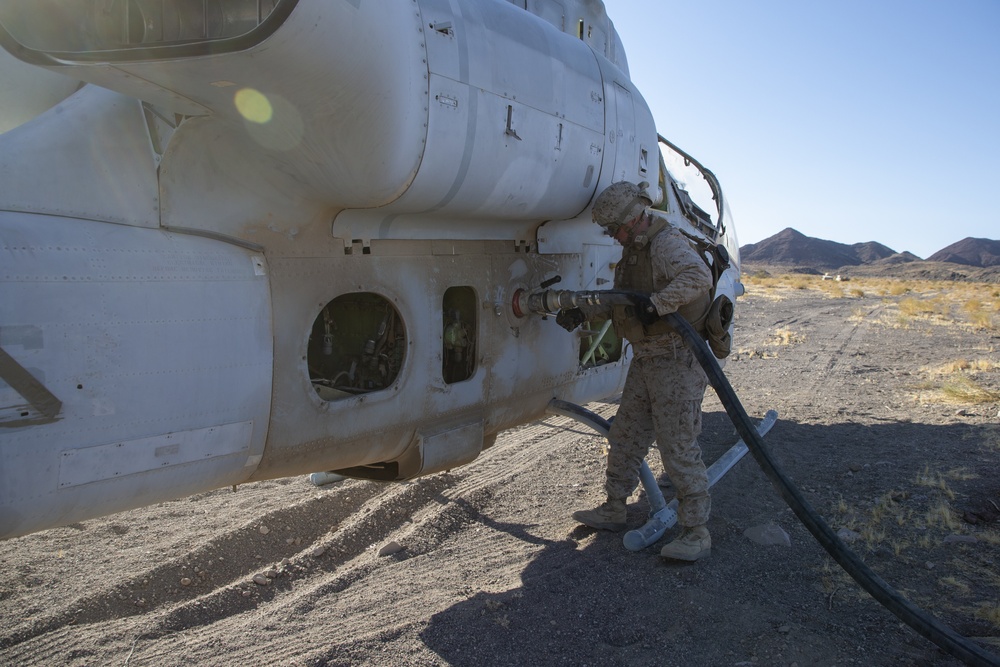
<point>458,358</point>
<point>357,346</point>
<point>694,189</point>
<point>87,26</point>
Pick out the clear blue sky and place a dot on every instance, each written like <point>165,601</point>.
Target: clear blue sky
<point>848,120</point>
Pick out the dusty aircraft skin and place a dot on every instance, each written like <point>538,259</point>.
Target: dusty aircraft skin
<point>246,239</point>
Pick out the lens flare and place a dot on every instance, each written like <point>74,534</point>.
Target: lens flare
<point>253,105</point>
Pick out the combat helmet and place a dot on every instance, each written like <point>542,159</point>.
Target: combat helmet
<point>619,203</point>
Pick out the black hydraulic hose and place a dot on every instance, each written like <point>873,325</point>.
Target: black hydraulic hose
<point>924,623</point>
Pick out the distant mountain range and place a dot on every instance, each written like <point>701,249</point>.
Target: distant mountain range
<point>971,252</point>
<point>970,258</point>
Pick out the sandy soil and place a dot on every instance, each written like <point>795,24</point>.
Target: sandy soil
<point>484,566</point>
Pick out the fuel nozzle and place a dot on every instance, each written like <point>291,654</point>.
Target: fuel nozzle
<point>545,302</point>
<point>542,302</point>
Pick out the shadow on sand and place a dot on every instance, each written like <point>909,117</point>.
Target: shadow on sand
<point>585,600</point>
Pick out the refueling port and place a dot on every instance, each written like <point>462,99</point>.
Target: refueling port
<point>519,293</point>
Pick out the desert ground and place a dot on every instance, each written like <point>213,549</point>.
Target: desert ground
<point>888,394</point>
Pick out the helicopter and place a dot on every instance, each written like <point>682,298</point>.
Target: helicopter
<point>250,239</point>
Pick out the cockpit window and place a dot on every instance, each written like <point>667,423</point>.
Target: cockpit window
<point>133,29</point>
<point>694,188</point>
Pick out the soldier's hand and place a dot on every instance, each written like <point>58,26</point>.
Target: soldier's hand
<point>570,319</point>
<point>645,310</point>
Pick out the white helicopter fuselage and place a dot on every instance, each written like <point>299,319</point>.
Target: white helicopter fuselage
<point>288,239</point>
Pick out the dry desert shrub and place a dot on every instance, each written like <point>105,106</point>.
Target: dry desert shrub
<point>800,282</point>
<point>962,365</point>
<point>963,389</point>
<point>916,523</point>
<point>919,308</point>
<point>991,437</point>
<point>989,613</point>
<point>940,302</point>
<point>832,289</point>
<point>955,382</point>
<point>979,313</point>
<point>973,305</point>
<point>786,337</point>
<point>983,321</point>
<point>900,520</point>
<point>755,353</point>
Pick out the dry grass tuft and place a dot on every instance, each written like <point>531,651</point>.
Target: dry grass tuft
<point>858,314</point>
<point>991,436</point>
<point>935,480</point>
<point>941,515</point>
<point>833,290</point>
<point>952,582</point>
<point>990,537</point>
<point>962,366</point>
<point>989,613</point>
<point>800,282</point>
<point>787,337</point>
<point>963,389</point>
<point>973,305</point>
<point>955,382</point>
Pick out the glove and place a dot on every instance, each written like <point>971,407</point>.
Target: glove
<point>570,319</point>
<point>645,310</point>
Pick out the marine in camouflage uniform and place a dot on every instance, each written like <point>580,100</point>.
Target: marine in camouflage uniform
<point>665,386</point>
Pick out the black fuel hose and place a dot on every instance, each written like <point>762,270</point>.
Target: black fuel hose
<point>924,623</point>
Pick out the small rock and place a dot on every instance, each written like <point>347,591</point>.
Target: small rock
<point>185,581</point>
<point>264,530</point>
<point>246,594</point>
<point>290,541</point>
<point>961,412</point>
<point>961,539</point>
<point>929,565</point>
<point>848,535</point>
<point>261,580</point>
<point>784,629</point>
<point>271,574</point>
<point>855,467</point>
<point>768,534</point>
<point>318,552</point>
<point>391,548</point>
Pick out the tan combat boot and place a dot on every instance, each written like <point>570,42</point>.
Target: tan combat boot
<point>609,516</point>
<point>693,544</point>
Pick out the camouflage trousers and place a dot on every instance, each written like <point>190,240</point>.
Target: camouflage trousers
<point>661,401</point>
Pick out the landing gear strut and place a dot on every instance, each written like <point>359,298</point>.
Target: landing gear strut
<point>662,515</point>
